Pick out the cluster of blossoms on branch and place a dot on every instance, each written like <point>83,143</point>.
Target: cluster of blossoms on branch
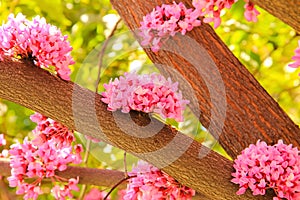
<point>38,41</point>
<point>30,164</point>
<point>147,93</point>
<point>48,129</point>
<point>148,182</point>
<point>211,10</point>
<point>261,167</point>
<point>165,21</point>
<point>168,19</point>
<point>32,161</point>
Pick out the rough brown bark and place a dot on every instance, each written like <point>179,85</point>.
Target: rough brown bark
<point>90,176</point>
<point>222,85</point>
<point>287,11</point>
<point>80,109</point>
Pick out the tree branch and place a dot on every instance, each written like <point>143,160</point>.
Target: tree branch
<point>287,11</point>
<point>223,87</point>
<point>91,176</point>
<point>80,109</point>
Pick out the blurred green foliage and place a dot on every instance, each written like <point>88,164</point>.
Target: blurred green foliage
<point>265,48</point>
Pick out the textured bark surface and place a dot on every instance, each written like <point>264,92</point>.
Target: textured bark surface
<point>223,87</point>
<point>80,109</point>
<point>91,176</point>
<point>286,10</point>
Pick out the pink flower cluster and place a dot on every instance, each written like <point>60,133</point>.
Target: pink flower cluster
<point>165,21</point>
<point>28,161</point>
<point>48,129</point>
<point>50,151</point>
<point>38,41</point>
<point>261,167</point>
<point>146,93</point>
<point>296,57</point>
<point>149,183</point>
<point>211,9</point>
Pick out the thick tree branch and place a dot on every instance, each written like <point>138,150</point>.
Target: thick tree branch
<point>91,176</point>
<point>80,109</point>
<point>287,11</point>
<point>223,87</point>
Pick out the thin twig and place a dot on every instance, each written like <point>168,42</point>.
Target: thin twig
<point>85,159</point>
<point>86,155</point>
<point>125,165</point>
<point>115,186</point>
<point>101,53</point>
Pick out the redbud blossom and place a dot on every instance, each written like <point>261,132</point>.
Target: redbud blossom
<point>261,167</point>
<point>148,182</point>
<point>38,41</point>
<point>48,129</point>
<point>211,9</point>
<point>167,20</point>
<point>28,161</point>
<point>146,93</point>
<point>164,21</point>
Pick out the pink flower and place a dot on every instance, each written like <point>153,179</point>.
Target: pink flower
<point>250,12</point>
<point>146,93</point>
<point>95,194</point>
<point>49,152</point>
<point>296,57</point>
<point>149,183</point>
<point>48,129</point>
<point>261,167</point>
<point>38,162</point>
<point>211,9</point>
<point>38,41</point>
<point>165,21</point>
